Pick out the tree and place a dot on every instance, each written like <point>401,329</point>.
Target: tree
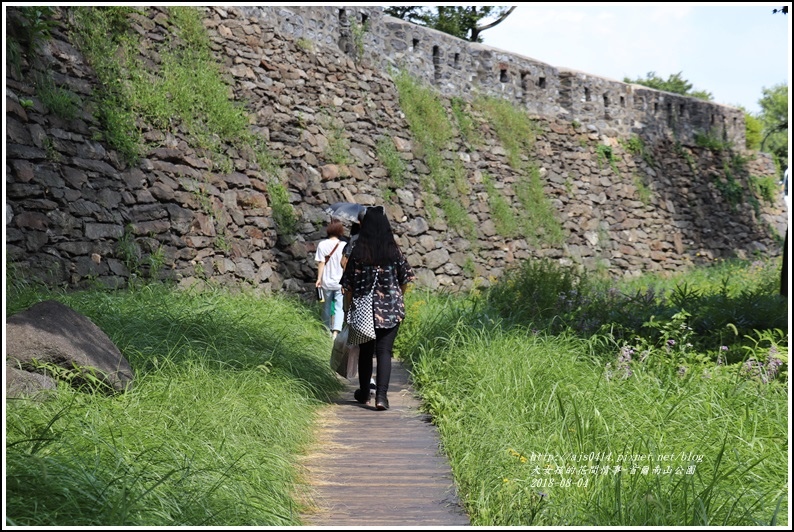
<point>464,22</point>
<point>753,130</point>
<point>674,83</point>
<point>415,14</point>
<point>774,118</point>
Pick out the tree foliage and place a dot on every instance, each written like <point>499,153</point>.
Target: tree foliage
<point>753,130</point>
<point>464,22</point>
<point>774,118</point>
<point>674,83</point>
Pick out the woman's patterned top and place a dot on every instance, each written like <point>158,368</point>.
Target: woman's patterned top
<point>387,299</point>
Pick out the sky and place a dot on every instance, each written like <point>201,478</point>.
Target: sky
<point>732,50</point>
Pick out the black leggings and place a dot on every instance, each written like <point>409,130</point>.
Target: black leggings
<point>381,347</point>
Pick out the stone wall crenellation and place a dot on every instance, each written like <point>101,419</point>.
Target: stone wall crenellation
<point>460,68</point>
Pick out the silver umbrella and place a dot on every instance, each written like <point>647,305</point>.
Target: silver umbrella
<point>352,212</point>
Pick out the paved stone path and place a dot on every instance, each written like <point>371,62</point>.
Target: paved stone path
<point>380,468</point>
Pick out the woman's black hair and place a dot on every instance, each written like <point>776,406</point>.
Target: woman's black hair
<point>375,244</point>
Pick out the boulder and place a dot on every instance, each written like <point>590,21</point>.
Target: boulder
<point>50,332</point>
<point>21,383</point>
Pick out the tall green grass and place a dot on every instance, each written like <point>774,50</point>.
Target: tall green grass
<point>548,414</point>
<point>549,421</point>
<point>223,402</point>
<point>521,415</point>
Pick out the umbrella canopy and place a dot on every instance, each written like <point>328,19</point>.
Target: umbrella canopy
<point>352,212</point>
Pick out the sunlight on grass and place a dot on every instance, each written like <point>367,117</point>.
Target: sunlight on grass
<point>559,400</point>
<point>225,390</point>
<point>548,423</point>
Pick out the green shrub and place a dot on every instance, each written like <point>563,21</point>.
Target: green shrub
<point>766,187</point>
<point>283,213</point>
<point>711,140</point>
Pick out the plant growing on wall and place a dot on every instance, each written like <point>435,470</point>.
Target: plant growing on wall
<point>28,27</point>
<point>643,191</point>
<point>103,35</point>
<point>503,216</point>
<point>538,220</point>
<point>604,154</point>
<point>431,128</point>
<point>283,213</point>
<point>304,44</point>
<point>516,132</point>
<point>338,150</point>
<point>464,120</point>
<point>186,93</point>
<point>515,129</point>
<point>156,260</point>
<point>395,166</point>
<point>729,187</point>
<point>50,152</point>
<point>686,154</point>
<point>129,251</point>
<point>358,30</point>
<point>635,146</point>
<point>766,187</point>
<point>711,140</point>
<point>59,100</point>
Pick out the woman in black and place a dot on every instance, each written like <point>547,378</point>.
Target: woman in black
<point>376,261</point>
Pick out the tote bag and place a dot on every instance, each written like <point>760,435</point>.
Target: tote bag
<point>361,318</point>
<point>344,357</point>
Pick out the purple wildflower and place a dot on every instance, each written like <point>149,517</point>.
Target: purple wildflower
<point>772,366</point>
<point>625,354</point>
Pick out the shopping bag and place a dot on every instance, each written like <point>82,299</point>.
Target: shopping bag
<point>344,357</point>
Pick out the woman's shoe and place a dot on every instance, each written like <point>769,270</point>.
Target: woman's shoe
<point>361,396</point>
<point>381,402</point>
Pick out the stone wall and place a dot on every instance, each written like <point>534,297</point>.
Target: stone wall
<point>459,68</point>
<point>76,213</point>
